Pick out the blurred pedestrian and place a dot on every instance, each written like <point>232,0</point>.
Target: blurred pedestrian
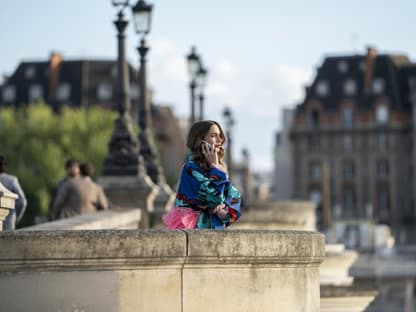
<point>79,196</point>
<point>72,171</point>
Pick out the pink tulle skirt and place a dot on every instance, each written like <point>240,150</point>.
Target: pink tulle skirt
<point>181,218</point>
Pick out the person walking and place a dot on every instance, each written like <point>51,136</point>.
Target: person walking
<point>79,196</point>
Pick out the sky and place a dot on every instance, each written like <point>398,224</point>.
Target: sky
<point>260,54</point>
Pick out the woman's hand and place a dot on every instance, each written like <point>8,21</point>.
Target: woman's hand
<point>210,152</point>
<point>221,211</point>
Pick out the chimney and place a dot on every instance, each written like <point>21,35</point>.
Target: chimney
<point>55,61</point>
<point>370,61</point>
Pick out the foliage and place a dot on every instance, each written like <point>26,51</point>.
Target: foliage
<point>36,143</point>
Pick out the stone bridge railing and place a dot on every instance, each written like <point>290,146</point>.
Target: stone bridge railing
<point>100,220</point>
<point>158,270</point>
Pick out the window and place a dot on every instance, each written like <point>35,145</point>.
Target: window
<point>9,93</point>
<point>383,204</point>
<point>63,92</point>
<point>382,114</point>
<point>30,72</point>
<point>348,170</point>
<point>382,140</point>
<point>383,200</point>
<point>347,117</point>
<point>350,87</point>
<point>315,171</point>
<point>347,143</point>
<point>378,86</point>
<point>314,118</point>
<point>342,66</point>
<point>382,169</point>
<point>104,91</point>
<point>322,88</point>
<point>35,92</point>
<point>349,203</point>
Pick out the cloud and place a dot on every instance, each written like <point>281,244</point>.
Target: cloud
<point>174,68</point>
<point>290,81</point>
<point>225,70</point>
<point>163,46</point>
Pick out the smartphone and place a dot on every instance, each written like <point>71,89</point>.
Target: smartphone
<point>209,145</point>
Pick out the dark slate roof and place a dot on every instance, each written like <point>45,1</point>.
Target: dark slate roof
<point>76,72</point>
<point>388,67</point>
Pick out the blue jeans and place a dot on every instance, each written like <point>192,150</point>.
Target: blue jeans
<point>9,224</point>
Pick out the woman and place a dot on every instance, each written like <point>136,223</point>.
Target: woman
<point>205,198</point>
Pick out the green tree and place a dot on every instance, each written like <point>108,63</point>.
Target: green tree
<point>36,143</point>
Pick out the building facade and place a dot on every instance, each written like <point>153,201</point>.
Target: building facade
<point>283,159</point>
<point>353,139</point>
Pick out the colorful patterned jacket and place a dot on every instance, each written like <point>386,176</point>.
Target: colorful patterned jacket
<point>204,191</point>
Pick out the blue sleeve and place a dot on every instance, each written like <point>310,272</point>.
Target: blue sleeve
<point>200,190</point>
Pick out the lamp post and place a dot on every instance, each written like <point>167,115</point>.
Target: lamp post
<point>142,13</point>
<point>245,176</point>
<point>142,17</point>
<point>193,68</point>
<point>201,82</point>
<point>229,123</point>
<point>123,157</point>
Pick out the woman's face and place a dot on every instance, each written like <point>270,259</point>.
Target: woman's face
<point>214,136</point>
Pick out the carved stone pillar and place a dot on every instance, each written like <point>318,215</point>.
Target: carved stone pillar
<point>7,201</point>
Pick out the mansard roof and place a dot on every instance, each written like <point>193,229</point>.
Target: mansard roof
<point>390,72</point>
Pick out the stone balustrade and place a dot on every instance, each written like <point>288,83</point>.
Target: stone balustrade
<point>280,215</point>
<point>100,220</point>
<point>159,270</point>
<point>7,202</point>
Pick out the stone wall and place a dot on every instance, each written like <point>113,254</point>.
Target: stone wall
<point>152,270</point>
<point>279,215</point>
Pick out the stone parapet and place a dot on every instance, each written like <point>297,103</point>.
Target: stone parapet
<point>280,215</point>
<point>159,270</point>
<point>101,220</point>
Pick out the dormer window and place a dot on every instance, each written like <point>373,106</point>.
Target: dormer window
<point>104,91</point>
<point>350,87</point>
<point>30,72</point>
<point>63,92</point>
<point>322,88</point>
<point>342,66</point>
<point>35,92</point>
<point>378,86</point>
<point>9,93</point>
<point>382,114</point>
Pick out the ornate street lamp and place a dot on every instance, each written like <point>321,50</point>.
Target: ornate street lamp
<point>142,13</point>
<point>229,123</point>
<point>123,157</point>
<point>193,69</point>
<point>201,82</point>
<point>142,17</point>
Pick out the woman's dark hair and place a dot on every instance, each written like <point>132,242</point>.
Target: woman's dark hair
<point>197,132</point>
